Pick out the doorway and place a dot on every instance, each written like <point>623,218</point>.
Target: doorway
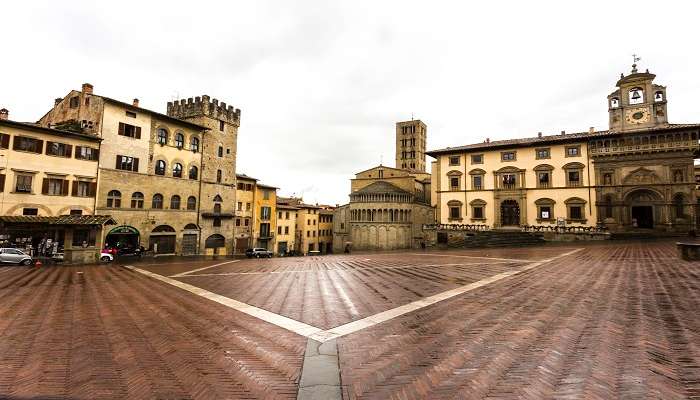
<point>644,215</point>
<point>510,213</point>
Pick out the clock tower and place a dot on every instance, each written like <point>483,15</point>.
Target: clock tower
<point>638,103</point>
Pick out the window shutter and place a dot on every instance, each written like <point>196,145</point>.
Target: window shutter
<point>138,132</point>
<point>136,165</point>
<point>77,152</point>
<point>95,155</point>
<point>119,161</point>
<point>68,150</point>
<point>4,141</point>
<point>74,189</point>
<point>45,186</point>
<point>39,146</point>
<point>92,190</point>
<point>121,128</point>
<point>15,143</point>
<point>48,148</point>
<point>64,192</point>
<point>2,183</point>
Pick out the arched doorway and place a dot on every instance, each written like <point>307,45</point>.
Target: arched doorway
<point>123,237</point>
<point>642,210</point>
<point>163,240</point>
<point>215,242</point>
<point>510,213</point>
<point>189,239</point>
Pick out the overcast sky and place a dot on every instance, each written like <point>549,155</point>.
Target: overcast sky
<point>321,83</point>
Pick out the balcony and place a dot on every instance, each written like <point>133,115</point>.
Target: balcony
<point>644,148</point>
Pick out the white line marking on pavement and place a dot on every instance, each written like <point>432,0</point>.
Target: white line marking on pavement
<point>384,316</point>
<point>305,271</point>
<point>275,319</point>
<point>202,269</point>
<point>487,258</point>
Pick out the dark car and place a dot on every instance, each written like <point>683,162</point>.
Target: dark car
<point>258,252</point>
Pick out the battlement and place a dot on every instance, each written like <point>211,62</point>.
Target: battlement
<point>204,106</point>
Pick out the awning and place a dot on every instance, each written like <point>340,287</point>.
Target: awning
<point>59,220</point>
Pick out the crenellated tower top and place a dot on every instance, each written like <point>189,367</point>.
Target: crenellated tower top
<point>204,106</point>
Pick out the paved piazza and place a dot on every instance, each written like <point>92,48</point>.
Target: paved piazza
<point>598,321</point>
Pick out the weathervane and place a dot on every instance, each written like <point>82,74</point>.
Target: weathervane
<point>635,58</point>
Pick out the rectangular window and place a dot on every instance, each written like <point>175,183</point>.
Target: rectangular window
<point>477,182</point>
<point>508,181</point>
<point>248,187</point>
<point>76,212</point>
<point>286,230</point>
<point>74,102</point>
<point>221,126</point>
<point>55,187</point>
<point>240,206</point>
<point>308,233</point>
<point>246,222</point>
<point>216,222</point>
<point>454,160</point>
<point>478,212</point>
<point>545,212</point>
<point>573,151</point>
<point>84,237</point>
<point>24,184</point>
<point>455,213</point>
<point>2,183</point>
<point>575,212</point>
<point>508,156</point>
<point>266,194</point>
<point>247,206</point>
<point>32,145</point>
<point>543,179</point>
<point>30,211</point>
<point>279,230</point>
<point>574,178</point>
<point>129,130</point>
<point>454,183</point>
<point>131,114</point>
<point>240,186</point>
<point>127,163</point>
<point>86,153</point>
<point>58,149</point>
<point>542,153</point>
<point>4,141</point>
<point>265,212</point>
<point>279,215</point>
<point>477,158</point>
<point>286,215</point>
<point>238,222</point>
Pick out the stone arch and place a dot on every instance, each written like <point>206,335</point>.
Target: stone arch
<point>19,207</point>
<point>66,210</point>
<point>215,241</point>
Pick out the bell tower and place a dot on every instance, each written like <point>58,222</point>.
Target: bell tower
<point>637,103</point>
<point>410,145</point>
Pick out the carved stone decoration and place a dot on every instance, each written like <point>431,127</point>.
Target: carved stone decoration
<point>641,176</point>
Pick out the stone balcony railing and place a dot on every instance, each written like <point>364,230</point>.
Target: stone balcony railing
<point>645,148</point>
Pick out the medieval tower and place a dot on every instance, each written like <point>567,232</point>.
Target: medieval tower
<point>410,145</point>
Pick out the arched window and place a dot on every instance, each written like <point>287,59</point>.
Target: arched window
<point>659,96</point>
<point>157,202</point>
<point>175,202</point>
<point>636,95</point>
<point>160,167</point>
<point>191,203</point>
<point>137,200</point>
<point>217,208</point>
<point>194,144</point>
<point>177,170</point>
<point>678,201</point>
<point>194,171</point>
<point>221,151</point>
<point>179,140</point>
<point>114,199</point>
<point>162,136</point>
<point>607,179</point>
<point>614,102</point>
<point>190,227</point>
<point>218,176</point>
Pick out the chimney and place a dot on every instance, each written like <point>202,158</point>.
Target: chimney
<point>87,88</point>
<point>136,102</point>
<point>563,133</point>
<point>591,129</point>
<point>56,101</point>
<point>488,140</point>
<point>539,134</point>
<point>4,114</point>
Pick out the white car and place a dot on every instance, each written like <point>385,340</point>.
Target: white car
<point>9,255</point>
<point>106,257</point>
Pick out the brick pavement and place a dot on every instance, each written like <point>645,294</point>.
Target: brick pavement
<point>613,321</point>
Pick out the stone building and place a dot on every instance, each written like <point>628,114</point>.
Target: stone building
<point>388,206</point>
<point>48,183</point>
<point>167,179</point>
<point>325,229</point>
<point>636,175</point>
<point>307,223</point>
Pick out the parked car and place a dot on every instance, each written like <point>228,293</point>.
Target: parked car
<point>123,251</point>
<point>258,252</point>
<point>106,256</point>
<point>10,255</point>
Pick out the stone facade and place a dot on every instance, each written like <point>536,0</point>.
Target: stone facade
<point>638,174</point>
<point>411,137</point>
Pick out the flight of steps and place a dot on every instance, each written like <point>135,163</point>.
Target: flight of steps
<point>497,238</point>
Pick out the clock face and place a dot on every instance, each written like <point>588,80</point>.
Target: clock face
<point>637,116</point>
